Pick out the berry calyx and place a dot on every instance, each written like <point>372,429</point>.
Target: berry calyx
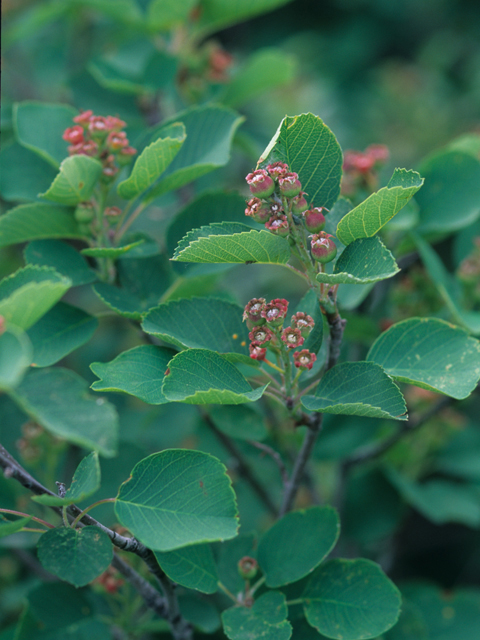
<point>277,169</point>
<point>253,311</point>
<point>289,184</point>
<point>257,352</point>
<point>260,183</point>
<point>261,335</point>
<point>323,247</point>
<point>303,322</point>
<point>247,567</point>
<point>278,224</point>
<point>304,359</point>
<point>315,219</point>
<point>84,212</point>
<point>292,337</point>
<point>275,311</point>
<point>258,210</point>
<point>299,204</point>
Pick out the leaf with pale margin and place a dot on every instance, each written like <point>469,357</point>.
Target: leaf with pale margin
<point>9,527</point>
<point>35,221</point>
<point>265,620</point>
<point>259,247</point>
<point>138,372</point>
<point>119,300</point>
<point>39,127</point>
<point>29,293</point>
<point>210,130</point>
<point>365,220</point>
<point>310,149</point>
<point>213,229</point>
<point>85,481</point>
<point>150,165</point>
<point>77,556</point>
<point>193,567</point>
<point>264,70</point>
<point>58,400</point>
<point>199,376</point>
<point>311,534</point>
<point>59,332</point>
<point>351,600</point>
<point>15,357</point>
<point>62,257</point>
<point>75,181</point>
<point>218,14</point>
<point>16,162</point>
<point>176,498</point>
<point>203,323</point>
<point>359,389</point>
<point>429,353</point>
<point>446,286</point>
<point>111,252</point>
<point>364,260</point>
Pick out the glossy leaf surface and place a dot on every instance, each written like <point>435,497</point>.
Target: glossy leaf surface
<point>176,498</point>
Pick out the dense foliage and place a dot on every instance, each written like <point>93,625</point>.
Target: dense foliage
<point>238,379</point>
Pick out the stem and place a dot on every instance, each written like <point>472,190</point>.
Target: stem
<point>256,586</point>
<point>277,458</point>
<point>274,366</point>
<point>95,504</point>
<point>26,515</point>
<point>227,592</point>
<point>130,220</point>
<point>243,467</point>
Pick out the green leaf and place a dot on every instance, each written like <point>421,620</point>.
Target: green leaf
<point>58,400</point>
<point>360,389</point>
<point>266,69</point>
<point>459,457</point>
<point>76,180</point>
<point>59,332</point>
<point>39,127</point>
<point>452,184</point>
<point>7,528</point>
<point>440,500</point>
<point>176,498</point>
<point>203,323</point>
<point>239,422</point>
<point>119,300</point>
<point>214,229</point>
<point>77,556</point>
<point>410,626</point>
<point>199,376</point>
<point>16,162</point>
<point>32,221</point>
<point>192,567</point>
<point>310,149</point>
<point>150,165</point>
<point>111,252</point>
<point>123,11</point>
<point>138,372</point>
<point>218,14</point>
<point>210,131</point>
<point>111,78</point>
<point>29,293</point>
<point>61,257</point>
<point>265,620</point>
<point>230,553</point>
<point>351,600</point>
<point>364,260</point>
<point>311,534</point>
<point>429,353</point>
<point>446,286</point>
<point>365,220</point>
<point>85,482</point>
<point>15,357</point>
<point>163,15</point>
<point>248,247</point>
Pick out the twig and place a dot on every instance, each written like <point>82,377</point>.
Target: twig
<point>167,607</point>
<point>277,458</point>
<point>243,467</point>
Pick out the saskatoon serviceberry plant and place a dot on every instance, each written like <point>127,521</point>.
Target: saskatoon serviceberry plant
<point>264,387</point>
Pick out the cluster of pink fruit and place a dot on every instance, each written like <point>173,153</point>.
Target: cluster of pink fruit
<point>265,321</point>
<point>101,138</point>
<point>278,196</point>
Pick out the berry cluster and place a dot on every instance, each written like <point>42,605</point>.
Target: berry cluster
<point>109,580</point>
<point>279,203</point>
<point>265,321</point>
<point>101,138</point>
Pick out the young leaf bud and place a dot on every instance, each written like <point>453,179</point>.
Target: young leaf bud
<point>260,183</point>
<point>323,247</point>
<point>315,219</point>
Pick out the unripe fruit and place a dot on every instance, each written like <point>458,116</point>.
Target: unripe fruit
<point>260,183</point>
<point>314,219</point>
<point>289,185</point>
<point>323,247</point>
<point>299,204</point>
<point>247,568</point>
<point>258,210</point>
<point>84,212</point>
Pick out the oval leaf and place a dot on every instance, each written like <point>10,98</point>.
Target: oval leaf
<point>248,247</point>
<point>178,497</point>
<point>150,165</point>
<point>351,600</point>
<point>199,376</point>
<point>9,527</point>
<point>371,215</point>
<point>193,567</point>
<point>77,556</point>
<point>39,220</point>
<point>429,353</point>
<point>265,620</point>
<point>218,14</point>
<point>57,399</point>
<point>29,293</point>
<point>61,257</point>
<point>365,260</point>
<point>138,372</point>
<point>111,252</point>
<point>76,180</point>
<point>310,149</point>
<point>85,481</point>
<point>15,357</point>
<point>204,323</point>
<point>360,389</point>
<point>311,534</point>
